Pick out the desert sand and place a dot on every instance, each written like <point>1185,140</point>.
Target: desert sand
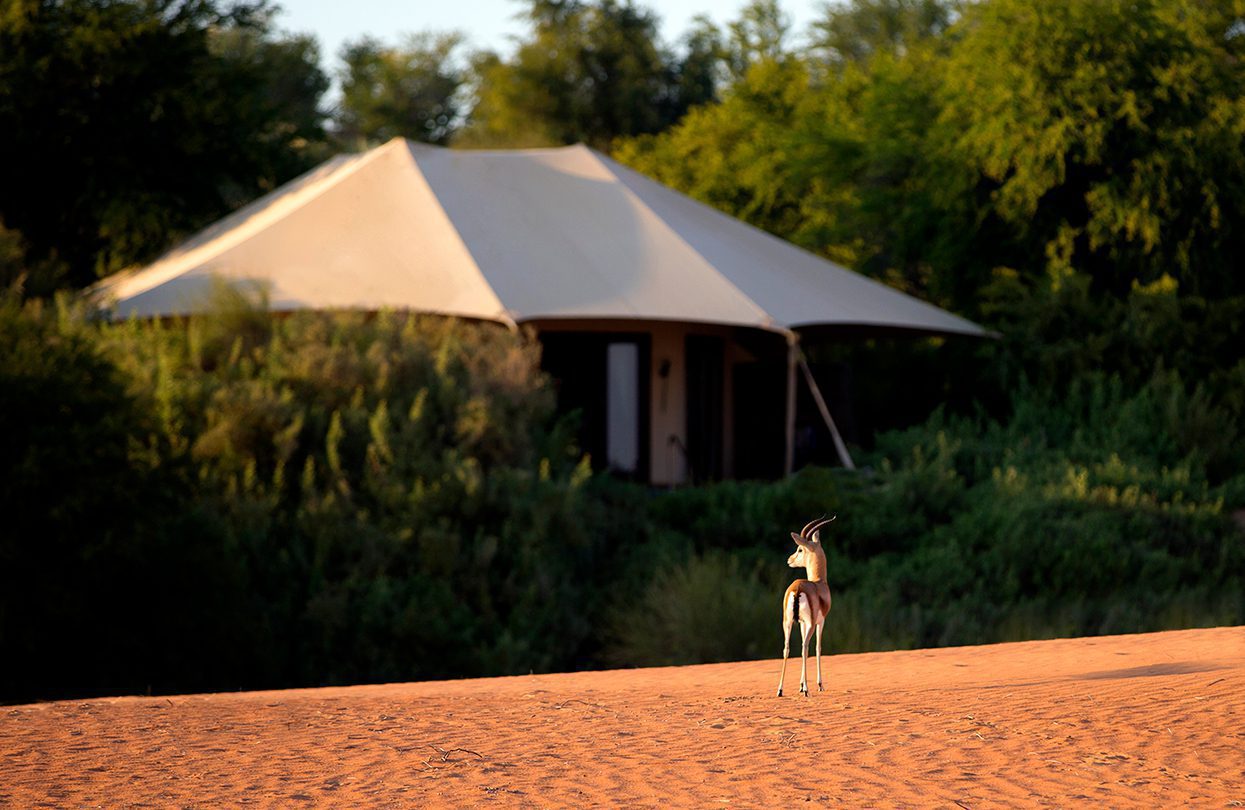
<point>1154,720</point>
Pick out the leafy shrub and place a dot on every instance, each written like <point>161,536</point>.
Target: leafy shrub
<point>259,500</point>
<point>109,579</point>
<point>366,497</point>
<point>405,474</point>
<point>710,608</point>
<point>1083,514</point>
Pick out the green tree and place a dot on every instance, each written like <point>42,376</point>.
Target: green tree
<point>130,122</point>
<point>760,34</point>
<point>847,166</point>
<point>853,31</point>
<point>736,155</point>
<point>700,70</point>
<point>278,89</point>
<point>410,91</point>
<point>1108,136</point>
<point>1060,138</point>
<point>589,72</point>
<point>888,194</point>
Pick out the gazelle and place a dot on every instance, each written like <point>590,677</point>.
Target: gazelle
<point>806,599</point>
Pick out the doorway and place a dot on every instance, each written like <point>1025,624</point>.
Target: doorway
<point>705,407</point>
<point>605,378</point>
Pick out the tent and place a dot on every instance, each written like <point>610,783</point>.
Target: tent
<point>675,293</point>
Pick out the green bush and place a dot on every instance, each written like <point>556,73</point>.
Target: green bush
<point>709,608</point>
<point>1082,514</point>
<point>401,482</point>
<point>110,577</point>
<point>246,500</point>
<point>318,498</point>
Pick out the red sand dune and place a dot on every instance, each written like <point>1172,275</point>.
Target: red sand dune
<point>1153,720</point>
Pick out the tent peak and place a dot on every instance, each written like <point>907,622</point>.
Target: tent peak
<point>414,146</point>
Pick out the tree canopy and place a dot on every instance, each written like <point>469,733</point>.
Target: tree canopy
<point>1058,138</point>
<point>589,72</point>
<point>126,123</point>
<point>411,91</point>
<point>1108,135</point>
<point>924,142</point>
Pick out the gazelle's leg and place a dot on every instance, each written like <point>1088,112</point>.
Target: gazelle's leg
<point>806,630</point>
<point>787,619</point>
<point>819,627</point>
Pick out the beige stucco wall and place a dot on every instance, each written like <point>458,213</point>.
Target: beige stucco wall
<point>668,406</point>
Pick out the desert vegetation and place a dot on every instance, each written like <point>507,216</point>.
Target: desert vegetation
<point>248,499</point>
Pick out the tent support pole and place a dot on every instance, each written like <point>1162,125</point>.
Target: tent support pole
<point>844,457</point>
<point>793,353</point>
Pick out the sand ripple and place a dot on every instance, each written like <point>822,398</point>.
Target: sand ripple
<point>1144,721</point>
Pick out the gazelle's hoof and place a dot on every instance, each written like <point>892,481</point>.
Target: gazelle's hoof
<point>820,688</point>
<point>779,693</point>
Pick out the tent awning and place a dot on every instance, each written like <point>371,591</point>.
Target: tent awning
<point>513,236</point>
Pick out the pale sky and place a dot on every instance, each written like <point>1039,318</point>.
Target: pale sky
<point>487,23</point>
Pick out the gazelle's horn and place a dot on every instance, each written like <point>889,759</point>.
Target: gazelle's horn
<point>821,522</point>
<point>804,531</point>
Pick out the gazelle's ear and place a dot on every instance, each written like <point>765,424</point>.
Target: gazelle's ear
<point>799,541</point>
<point>816,538</point>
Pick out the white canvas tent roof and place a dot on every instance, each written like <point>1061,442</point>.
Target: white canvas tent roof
<point>512,236</point>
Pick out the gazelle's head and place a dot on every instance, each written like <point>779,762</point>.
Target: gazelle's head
<point>808,543</point>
